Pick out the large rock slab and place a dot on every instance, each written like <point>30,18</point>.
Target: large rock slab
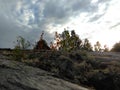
<point>18,76</point>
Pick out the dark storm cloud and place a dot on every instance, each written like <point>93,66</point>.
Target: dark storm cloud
<point>29,18</point>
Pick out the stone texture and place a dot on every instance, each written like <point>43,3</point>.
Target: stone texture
<point>18,76</point>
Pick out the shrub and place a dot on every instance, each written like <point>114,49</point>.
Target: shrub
<point>116,47</point>
<point>21,45</point>
<point>17,54</point>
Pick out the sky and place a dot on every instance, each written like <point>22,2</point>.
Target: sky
<point>97,20</point>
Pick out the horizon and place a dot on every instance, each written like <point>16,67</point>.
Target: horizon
<point>97,20</point>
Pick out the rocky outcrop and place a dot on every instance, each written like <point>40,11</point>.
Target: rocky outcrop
<point>18,76</point>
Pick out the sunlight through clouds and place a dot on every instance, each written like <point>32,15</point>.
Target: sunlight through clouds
<point>94,1</point>
<point>97,20</point>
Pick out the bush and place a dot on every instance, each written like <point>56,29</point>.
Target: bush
<point>79,67</point>
<point>116,47</point>
<point>20,47</point>
<point>17,54</point>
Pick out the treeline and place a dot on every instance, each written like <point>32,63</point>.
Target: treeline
<point>66,41</point>
<point>71,41</point>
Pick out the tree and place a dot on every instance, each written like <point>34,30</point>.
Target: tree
<point>22,43</point>
<point>58,40</point>
<point>41,44</point>
<point>67,41</point>
<point>86,45</point>
<point>70,41</point>
<point>75,40</point>
<point>106,49</point>
<point>116,47</point>
<point>97,46</point>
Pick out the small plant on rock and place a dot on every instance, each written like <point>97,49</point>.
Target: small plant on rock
<point>21,45</point>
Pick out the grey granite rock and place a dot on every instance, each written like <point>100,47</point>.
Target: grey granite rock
<point>18,76</point>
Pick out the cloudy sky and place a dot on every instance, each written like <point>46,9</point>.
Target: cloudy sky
<point>97,20</point>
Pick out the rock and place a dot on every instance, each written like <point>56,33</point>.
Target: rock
<point>18,76</point>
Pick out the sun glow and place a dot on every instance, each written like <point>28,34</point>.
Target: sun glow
<point>100,30</point>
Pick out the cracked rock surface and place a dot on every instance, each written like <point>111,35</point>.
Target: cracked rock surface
<point>18,76</point>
